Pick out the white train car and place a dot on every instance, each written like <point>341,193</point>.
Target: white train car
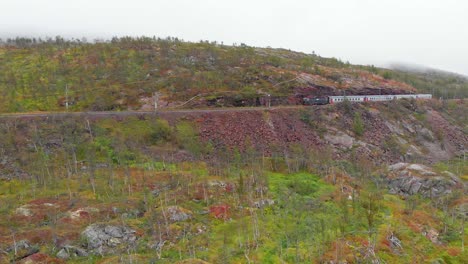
<point>375,98</point>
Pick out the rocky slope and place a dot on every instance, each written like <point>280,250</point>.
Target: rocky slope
<point>389,132</point>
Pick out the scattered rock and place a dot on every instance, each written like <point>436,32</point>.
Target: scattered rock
<point>83,213</point>
<point>157,245</point>
<point>413,152</point>
<point>226,186</point>
<point>165,187</point>
<point>395,242</point>
<point>203,212</point>
<point>37,208</point>
<point>216,183</point>
<point>394,128</point>
<point>409,127</point>
<point>261,190</point>
<point>264,202</point>
<point>177,213</point>
<point>9,170</point>
<point>40,258</point>
<point>200,229</point>
<point>22,249</point>
<point>128,212</point>
<point>426,134</point>
<point>24,210</point>
<point>22,244</point>
<point>63,254</point>
<point>432,235</point>
<point>133,213</point>
<point>155,192</point>
<point>103,239</point>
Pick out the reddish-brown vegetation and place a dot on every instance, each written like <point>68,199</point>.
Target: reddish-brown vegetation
<point>220,211</point>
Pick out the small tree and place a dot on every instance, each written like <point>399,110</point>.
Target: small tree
<point>358,125</point>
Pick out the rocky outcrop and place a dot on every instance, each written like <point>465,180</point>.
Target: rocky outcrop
<point>453,137</point>
<point>410,179</point>
<point>341,140</point>
<point>105,239</point>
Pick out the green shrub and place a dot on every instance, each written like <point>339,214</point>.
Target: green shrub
<point>387,75</point>
<point>161,132</point>
<point>358,125</point>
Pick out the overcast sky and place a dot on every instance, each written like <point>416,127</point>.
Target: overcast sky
<point>432,33</point>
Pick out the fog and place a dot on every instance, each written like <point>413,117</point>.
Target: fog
<point>432,33</point>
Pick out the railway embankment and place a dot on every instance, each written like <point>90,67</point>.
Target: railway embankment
<point>374,133</point>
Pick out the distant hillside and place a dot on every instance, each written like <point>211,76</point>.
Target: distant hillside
<point>441,83</point>
<point>123,73</point>
<point>422,69</point>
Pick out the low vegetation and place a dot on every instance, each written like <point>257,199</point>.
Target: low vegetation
<point>124,73</point>
<point>188,195</point>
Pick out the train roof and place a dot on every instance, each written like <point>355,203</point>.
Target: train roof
<point>383,96</point>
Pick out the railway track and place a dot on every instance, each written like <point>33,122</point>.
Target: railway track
<point>130,113</point>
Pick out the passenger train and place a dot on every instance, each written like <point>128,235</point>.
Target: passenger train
<point>361,98</point>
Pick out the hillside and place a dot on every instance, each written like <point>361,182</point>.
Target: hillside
<point>121,74</point>
<point>208,180</point>
<point>374,182</point>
